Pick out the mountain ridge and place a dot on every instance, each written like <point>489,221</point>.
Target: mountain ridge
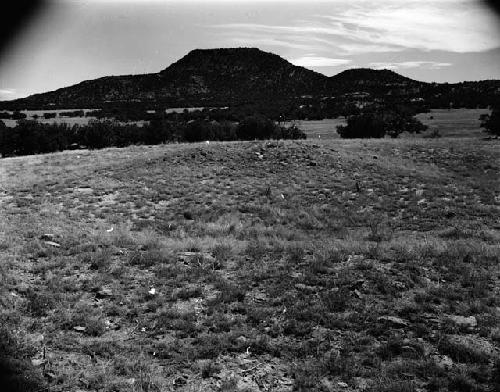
<point>227,76</point>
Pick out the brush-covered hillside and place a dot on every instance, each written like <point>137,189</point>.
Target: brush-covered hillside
<point>253,266</point>
<point>238,76</point>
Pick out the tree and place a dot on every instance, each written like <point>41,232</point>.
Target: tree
<point>380,124</point>
<point>492,122</point>
<point>255,127</point>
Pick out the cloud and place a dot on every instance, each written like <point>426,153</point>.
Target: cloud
<point>7,93</point>
<point>356,48</point>
<point>248,40</point>
<point>369,26</point>
<point>313,61</point>
<point>456,26</point>
<point>409,64</point>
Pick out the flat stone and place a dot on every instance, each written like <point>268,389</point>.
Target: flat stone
<point>52,243</point>
<point>103,292</point>
<point>467,322</point>
<point>443,361</point>
<point>394,320</point>
<point>38,362</point>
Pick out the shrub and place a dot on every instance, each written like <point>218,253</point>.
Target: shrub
<point>17,115</point>
<point>378,125</point>
<point>492,122</point>
<point>31,137</point>
<point>258,127</point>
<point>255,127</point>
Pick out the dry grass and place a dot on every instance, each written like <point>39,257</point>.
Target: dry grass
<point>333,265</point>
<point>442,122</point>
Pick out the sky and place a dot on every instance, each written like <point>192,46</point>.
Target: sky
<point>74,40</point>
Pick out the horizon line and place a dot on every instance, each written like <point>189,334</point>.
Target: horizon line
<point>244,47</point>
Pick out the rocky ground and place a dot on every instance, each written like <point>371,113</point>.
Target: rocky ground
<point>259,266</point>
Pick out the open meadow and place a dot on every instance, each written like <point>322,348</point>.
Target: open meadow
<point>447,122</point>
<point>317,265</point>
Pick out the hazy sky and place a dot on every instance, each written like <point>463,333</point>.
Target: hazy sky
<point>75,40</point>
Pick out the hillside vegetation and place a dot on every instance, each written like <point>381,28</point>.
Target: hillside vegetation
<point>253,266</point>
<point>249,77</point>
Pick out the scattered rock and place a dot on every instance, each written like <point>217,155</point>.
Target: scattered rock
<point>394,320</point>
<point>481,347</point>
<point>103,292</point>
<point>50,376</point>
<point>464,322</point>
<point>321,333</point>
<point>327,384</point>
<point>179,381</point>
<point>48,237</point>
<point>197,257</point>
<point>305,288</point>
<point>361,383</point>
<point>443,361</point>
<point>358,284</point>
<point>38,362</point>
<point>52,243</point>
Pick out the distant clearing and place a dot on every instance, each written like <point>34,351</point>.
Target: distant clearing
<point>455,122</point>
<point>449,123</point>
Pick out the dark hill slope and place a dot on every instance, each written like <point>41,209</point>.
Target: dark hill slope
<point>371,80</point>
<point>232,76</point>
<point>239,75</point>
<point>208,76</point>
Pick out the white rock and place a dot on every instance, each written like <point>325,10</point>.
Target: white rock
<point>52,243</point>
<point>394,320</point>
<point>468,322</point>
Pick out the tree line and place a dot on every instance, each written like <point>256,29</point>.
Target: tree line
<point>31,137</point>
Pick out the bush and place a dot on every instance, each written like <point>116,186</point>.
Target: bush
<point>31,137</point>
<point>17,115</point>
<point>492,122</point>
<point>378,125</point>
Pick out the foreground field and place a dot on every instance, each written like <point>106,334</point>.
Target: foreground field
<point>259,266</point>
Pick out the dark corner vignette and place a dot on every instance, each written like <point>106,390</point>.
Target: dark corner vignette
<point>494,5</point>
<point>16,372</point>
<point>16,17</point>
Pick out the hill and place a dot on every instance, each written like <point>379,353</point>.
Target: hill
<point>371,80</point>
<point>262,266</point>
<point>234,76</point>
<point>212,77</point>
